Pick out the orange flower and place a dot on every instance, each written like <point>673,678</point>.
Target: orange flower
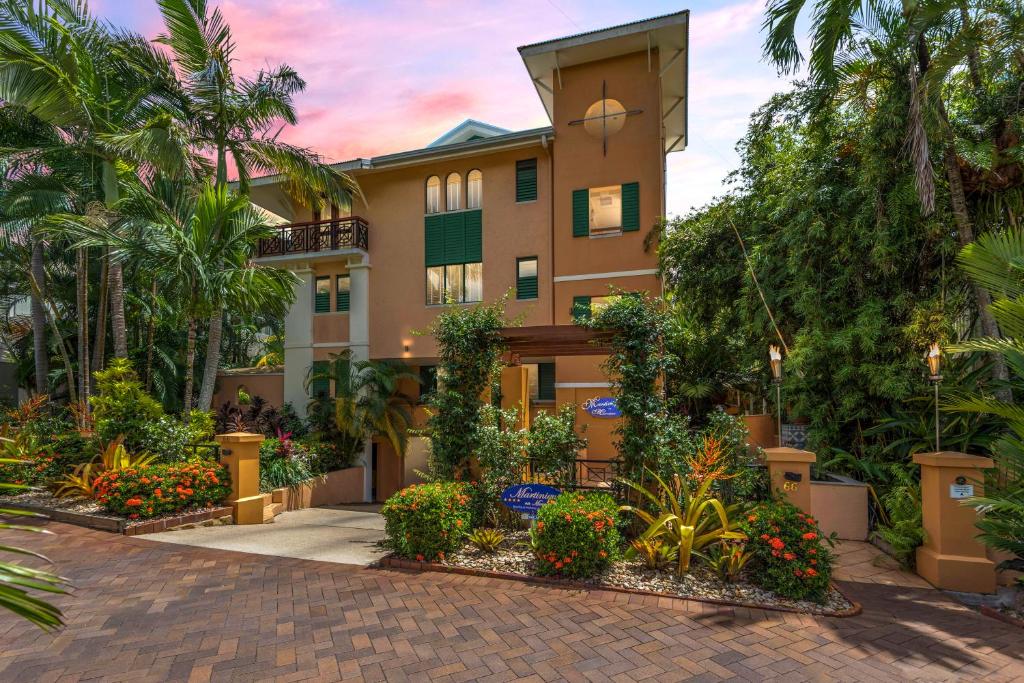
<point>602,554</point>
<point>752,518</point>
<point>419,557</point>
<point>809,536</point>
<point>811,572</point>
<point>558,565</point>
<point>777,543</point>
<point>789,557</point>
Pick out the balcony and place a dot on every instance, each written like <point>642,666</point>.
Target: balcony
<point>329,235</point>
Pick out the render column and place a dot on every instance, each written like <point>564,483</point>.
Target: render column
<point>359,347</point>
<point>298,341</point>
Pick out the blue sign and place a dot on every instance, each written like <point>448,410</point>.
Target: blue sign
<point>602,407</point>
<point>528,498</point>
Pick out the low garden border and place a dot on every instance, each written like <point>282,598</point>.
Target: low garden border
<point>392,562</point>
<point>119,525</point>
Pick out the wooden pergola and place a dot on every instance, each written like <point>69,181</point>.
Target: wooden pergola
<point>555,340</point>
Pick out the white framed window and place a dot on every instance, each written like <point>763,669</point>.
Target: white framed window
<point>454,196</point>
<point>433,194</point>
<point>474,189</point>
<point>605,209</point>
<point>459,283</point>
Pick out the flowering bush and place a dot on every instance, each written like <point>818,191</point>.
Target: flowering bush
<point>576,534</point>
<point>157,490</point>
<point>426,521</point>
<point>794,559</point>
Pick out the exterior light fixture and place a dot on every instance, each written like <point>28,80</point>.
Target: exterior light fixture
<point>934,359</point>
<point>775,358</point>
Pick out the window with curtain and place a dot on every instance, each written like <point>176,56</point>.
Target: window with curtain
<point>458,282</point>
<point>474,189</point>
<point>322,295</point>
<point>454,185</point>
<point>433,194</point>
<point>342,296</point>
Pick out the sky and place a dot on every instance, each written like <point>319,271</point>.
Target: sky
<point>392,75</point>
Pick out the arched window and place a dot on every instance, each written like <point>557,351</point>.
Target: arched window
<point>474,189</point>
<point>454,184</point>
<point>433,194</point>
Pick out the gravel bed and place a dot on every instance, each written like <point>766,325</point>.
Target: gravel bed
<point>700,583</point>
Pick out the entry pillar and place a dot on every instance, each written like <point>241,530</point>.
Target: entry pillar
<point>240,453</point>
<point>952,558</point>
<point>515,393</point>
<point>298,341</point>
<point>359,347</point>
<point>789,471</point>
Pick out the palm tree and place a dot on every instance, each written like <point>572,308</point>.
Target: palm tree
<point>994,262</point>
<point>231,115</point>
<point>109,94</point>
<point>368,401</point>
<point>931,40</point>
<point>198,246</point>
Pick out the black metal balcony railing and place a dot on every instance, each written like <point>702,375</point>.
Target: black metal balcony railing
<point>328,235</point>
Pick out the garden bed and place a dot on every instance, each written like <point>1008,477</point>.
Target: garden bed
<point>515,561</point>
<point>90,514</point>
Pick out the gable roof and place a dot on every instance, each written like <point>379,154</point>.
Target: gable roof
<point>669,34</point>
<point>470,129</point>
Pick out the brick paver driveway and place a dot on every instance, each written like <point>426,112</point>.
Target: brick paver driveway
<point>154,611</point>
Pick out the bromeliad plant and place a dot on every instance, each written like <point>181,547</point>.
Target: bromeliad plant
<point>655,554</point>
<point>487,540</point>
<point>684,516</point>
<point>114,458</point>
<point>727,559</point>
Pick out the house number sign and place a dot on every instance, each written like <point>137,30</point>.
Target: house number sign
<point>961,489</point>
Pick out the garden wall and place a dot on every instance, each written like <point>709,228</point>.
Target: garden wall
<point>335,488</point>
<point>267,385</point>
<point>841,505</point>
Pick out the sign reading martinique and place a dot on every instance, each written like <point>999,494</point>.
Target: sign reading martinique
<point>528,498</point>
<point>602,407</point>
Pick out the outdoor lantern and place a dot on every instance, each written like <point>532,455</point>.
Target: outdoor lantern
<point>776,360</point>
<point>934,365</point>
<point>775,356</point>
<point>934,361</point>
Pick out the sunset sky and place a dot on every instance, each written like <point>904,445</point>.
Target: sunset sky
<point>392,75</point>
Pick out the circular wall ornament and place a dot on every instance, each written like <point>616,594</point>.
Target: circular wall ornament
<point>604,117</point>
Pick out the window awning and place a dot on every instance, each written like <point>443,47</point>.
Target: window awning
<point>555,340</point>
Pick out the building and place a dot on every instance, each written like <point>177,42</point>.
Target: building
<point>559,214</point>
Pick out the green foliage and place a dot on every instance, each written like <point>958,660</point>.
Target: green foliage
<point>427,521</point>
<point>19,582</point>
<point>576,534</point>
<point>368,402</point>
<point>24,461</point>
<point>284,463</point>
<point>486,540</point>
<point>502,463</point>
<point>682,515</point>
<point>168,437</point>
<point>793,559</point>
<point>553,443</point>
<point>728,559</point>
<point>81,482</point>
<point>655,554</point>
<point>469,349</point>
<point>121,407</point>
<point>158,490</point>
<point>636,328</point>
<point>904,530</point>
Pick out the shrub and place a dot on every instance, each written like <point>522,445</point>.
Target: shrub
<point>122,407</point>
<point>284,463</point>
<point>157,490</point>
<point>793,558</point>
<point>576,534</point>
<point>553,443</point>
<point>427,521</point>
<point>167,437</point>
<point>499,452</point>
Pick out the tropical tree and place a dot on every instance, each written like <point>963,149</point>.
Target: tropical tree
<point>108,94</point>
<point>930,45</point>
<point>229,115</point>
<point>368,401</point>
<point>996,262</point>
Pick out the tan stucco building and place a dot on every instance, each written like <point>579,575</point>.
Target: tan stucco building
<point>558,214</point>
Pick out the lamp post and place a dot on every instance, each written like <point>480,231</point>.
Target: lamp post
<point>934,365</point>
<point>775,357</point>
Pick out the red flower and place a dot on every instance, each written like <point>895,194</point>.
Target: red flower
<point>752,518</point>
<point>777,543</point>
<point>765,537</point>
<point>789,557</point>
<point>811,572</point>
<point>809,536</point>
<point>419,557</point>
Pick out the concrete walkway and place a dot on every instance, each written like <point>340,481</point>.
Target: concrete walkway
<point>343,534</point>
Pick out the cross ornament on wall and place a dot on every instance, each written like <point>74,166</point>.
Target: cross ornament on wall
<point>618,116</point>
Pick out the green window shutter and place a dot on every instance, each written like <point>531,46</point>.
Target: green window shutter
<point>454,238</point>
<point>545,381</point>
<point>630,207</point>
<point>322,295</point>
<point>474,236</point>
<point>580,213</point>
<point>321,386</point>
<point>526,180</point>
<point>343,297</point>
<point>344,374</point>
<point>581,308</point>
<point>433,230</point>
<point>526,286</point>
